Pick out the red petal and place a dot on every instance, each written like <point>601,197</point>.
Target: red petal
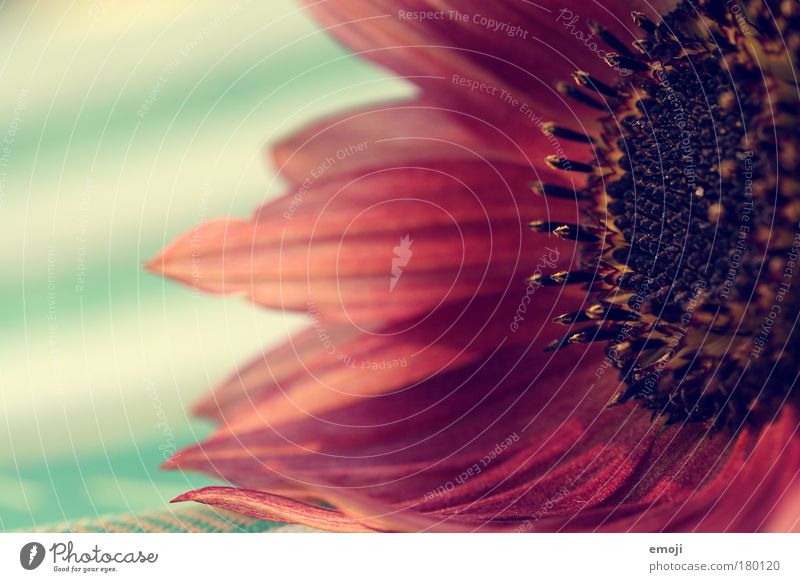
<point>717,483</point>
<point>577,466</point>
<point>276,367</point>
<point>324,369</point>
<point>785,517</point>
<point>528,52</point>
<point>460,228</point>
<point>411,133</point>
<point>400,446</point>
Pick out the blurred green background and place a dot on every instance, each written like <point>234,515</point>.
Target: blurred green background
<point>123,125</point>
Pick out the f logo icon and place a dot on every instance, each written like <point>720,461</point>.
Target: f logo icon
<point>31,555</point>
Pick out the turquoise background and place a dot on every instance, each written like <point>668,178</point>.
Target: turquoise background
<point>123,125</point>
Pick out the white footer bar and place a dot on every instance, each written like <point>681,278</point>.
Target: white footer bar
<point>384,557</point>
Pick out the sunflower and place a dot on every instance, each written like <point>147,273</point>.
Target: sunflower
<point>553,292</point>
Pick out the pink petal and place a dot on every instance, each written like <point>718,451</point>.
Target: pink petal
<point>334,251</point>
<point>276,367</point>
<point>325,369</point>
<point>721,483</point>
<point>530,50</point>
<point>400,446</point>
<point>785,518</point>
<point>410,133</point>
<point>577,466</point>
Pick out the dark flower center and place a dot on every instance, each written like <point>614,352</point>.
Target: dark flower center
<point>691,234</point>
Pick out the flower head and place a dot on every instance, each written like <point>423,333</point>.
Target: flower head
<point>641,379</point>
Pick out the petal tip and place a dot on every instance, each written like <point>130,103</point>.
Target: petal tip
<point>197,494</point>
<point>188,496</point>
<point>169,465</point>
<point>156,264</point>
<point>174,462</point>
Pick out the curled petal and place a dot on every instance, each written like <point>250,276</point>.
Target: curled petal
<point>273,508</point>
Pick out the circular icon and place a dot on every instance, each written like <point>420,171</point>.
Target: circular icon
<point>31,555</point>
